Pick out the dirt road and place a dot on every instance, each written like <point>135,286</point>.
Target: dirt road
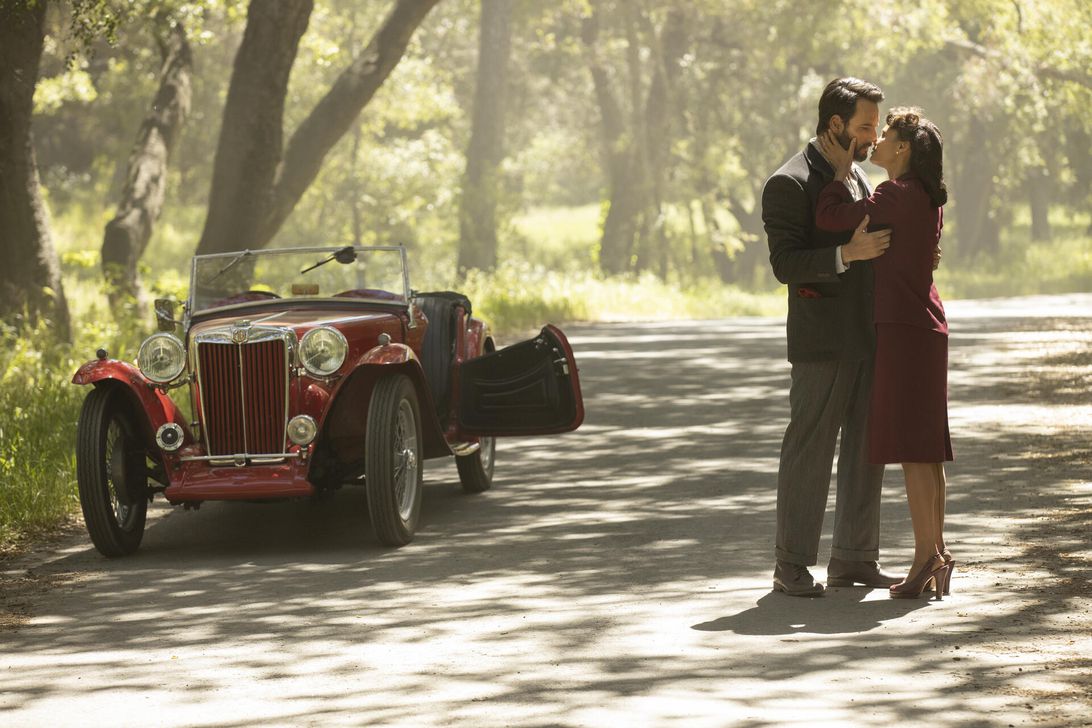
<point>617,576</point>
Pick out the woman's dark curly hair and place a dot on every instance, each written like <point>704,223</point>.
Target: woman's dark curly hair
<point>926,149</point>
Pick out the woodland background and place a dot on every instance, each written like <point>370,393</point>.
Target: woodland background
<point>575,159</point>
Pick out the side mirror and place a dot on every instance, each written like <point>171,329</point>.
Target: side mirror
<point>164,314</point>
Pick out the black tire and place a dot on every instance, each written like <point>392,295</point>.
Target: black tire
<point>476,469</point>
<point>437,351</point>
<point>392,461</point>
<point>111,471</point>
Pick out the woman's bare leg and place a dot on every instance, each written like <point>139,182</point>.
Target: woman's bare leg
<point>922,493</point>
<point>939,518</point>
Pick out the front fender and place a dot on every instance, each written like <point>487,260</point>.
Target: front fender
<point>345,419</point>
<point>318,396</point>
<point>157,406</point>
<point>387,354</point>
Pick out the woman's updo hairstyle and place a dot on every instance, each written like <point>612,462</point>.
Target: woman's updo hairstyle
<point>926,149</point>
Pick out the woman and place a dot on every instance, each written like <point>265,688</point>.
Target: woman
<point>908,417</point>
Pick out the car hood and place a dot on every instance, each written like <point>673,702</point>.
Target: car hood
<point>297,319</point>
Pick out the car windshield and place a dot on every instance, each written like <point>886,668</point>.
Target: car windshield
<point>245,276</point>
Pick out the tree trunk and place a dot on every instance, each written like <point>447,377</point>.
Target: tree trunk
<point>753,257</point>
<point>976,228</point>
<point>670,45</point>
<point>637,201</point>
<point>251,137</point>
<point>1078,152</point>
<point>725,264</point>
<point>478,211</point>
<point>637,155</point>
<point>1039,194</point>
<point>705,190</point>
<point>614,246</point>
<point>30,278</point>
<point>623,227</point>
<point>253,191</point>
<point>624,159</point>
<point>128,233</point>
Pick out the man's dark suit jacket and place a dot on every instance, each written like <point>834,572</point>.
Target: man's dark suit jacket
<point>837,325</point>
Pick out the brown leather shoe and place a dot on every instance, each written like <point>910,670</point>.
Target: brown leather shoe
<point>864,573</point>
<point>795,580</point>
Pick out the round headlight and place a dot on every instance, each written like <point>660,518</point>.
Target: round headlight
<point>322,351</point>
<point>302,430</point>
<point>162,358</point>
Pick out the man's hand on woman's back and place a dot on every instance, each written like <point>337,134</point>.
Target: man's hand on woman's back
<point>865,245</point>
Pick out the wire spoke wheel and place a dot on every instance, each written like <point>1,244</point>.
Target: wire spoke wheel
<point>405,455</point>
<point>111,472</point>
<point>392,460</point>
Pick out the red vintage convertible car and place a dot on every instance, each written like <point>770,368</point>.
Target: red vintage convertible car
<point>308,369</point>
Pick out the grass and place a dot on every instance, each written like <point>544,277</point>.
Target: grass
<point>520,297</point>
<point>37,457</point>
<point>41,406</point>
<point>563,284</point>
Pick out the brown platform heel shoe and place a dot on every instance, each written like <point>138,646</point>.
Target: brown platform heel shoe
<point>933,572</point>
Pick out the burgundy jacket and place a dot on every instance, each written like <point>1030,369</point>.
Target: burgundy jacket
<point>905,292</point>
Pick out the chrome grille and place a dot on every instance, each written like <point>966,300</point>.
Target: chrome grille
<point>244,393</point>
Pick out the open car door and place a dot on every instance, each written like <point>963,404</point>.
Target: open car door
<point>529,388</point>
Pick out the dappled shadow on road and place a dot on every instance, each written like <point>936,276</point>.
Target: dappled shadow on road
<point>620,571</point>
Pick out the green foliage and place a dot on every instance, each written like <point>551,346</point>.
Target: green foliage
<point>37,437</point>
<point>41,406</point>
<point>73,86</point>
<point>37,465</point>
<point>1022,267</point>
<point>745,100</point>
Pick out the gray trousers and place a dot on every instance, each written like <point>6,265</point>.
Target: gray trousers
<point>825,398</point>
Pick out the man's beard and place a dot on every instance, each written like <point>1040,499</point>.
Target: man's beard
<point>861,154</point>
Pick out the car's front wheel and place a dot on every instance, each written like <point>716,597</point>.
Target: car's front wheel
<point>392,460</point>
<point>476,469</point>
<point>111,472</point>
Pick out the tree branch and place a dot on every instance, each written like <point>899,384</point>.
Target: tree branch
<point>127,234</point>
<point>611,111</point>
<point>335,113</point>
<point>1040,70</point>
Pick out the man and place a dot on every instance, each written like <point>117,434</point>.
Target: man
<point>830,345</point>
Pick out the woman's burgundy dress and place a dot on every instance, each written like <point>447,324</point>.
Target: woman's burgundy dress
<point>908,415</point>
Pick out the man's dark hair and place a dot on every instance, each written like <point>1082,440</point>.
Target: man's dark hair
<point>840,99</point>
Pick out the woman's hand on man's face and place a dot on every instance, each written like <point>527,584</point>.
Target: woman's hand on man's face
<point>841,159</point>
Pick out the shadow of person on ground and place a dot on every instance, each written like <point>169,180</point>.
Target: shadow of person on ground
<point>839,611</point>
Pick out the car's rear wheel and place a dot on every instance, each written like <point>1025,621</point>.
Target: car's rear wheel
<point>476,469</point>
<point>392,460</point>
<point>112,473</point>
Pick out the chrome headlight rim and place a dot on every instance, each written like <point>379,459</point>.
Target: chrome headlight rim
<point>309,337</point>
<point>176,371</point>
<point>170,437</point>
